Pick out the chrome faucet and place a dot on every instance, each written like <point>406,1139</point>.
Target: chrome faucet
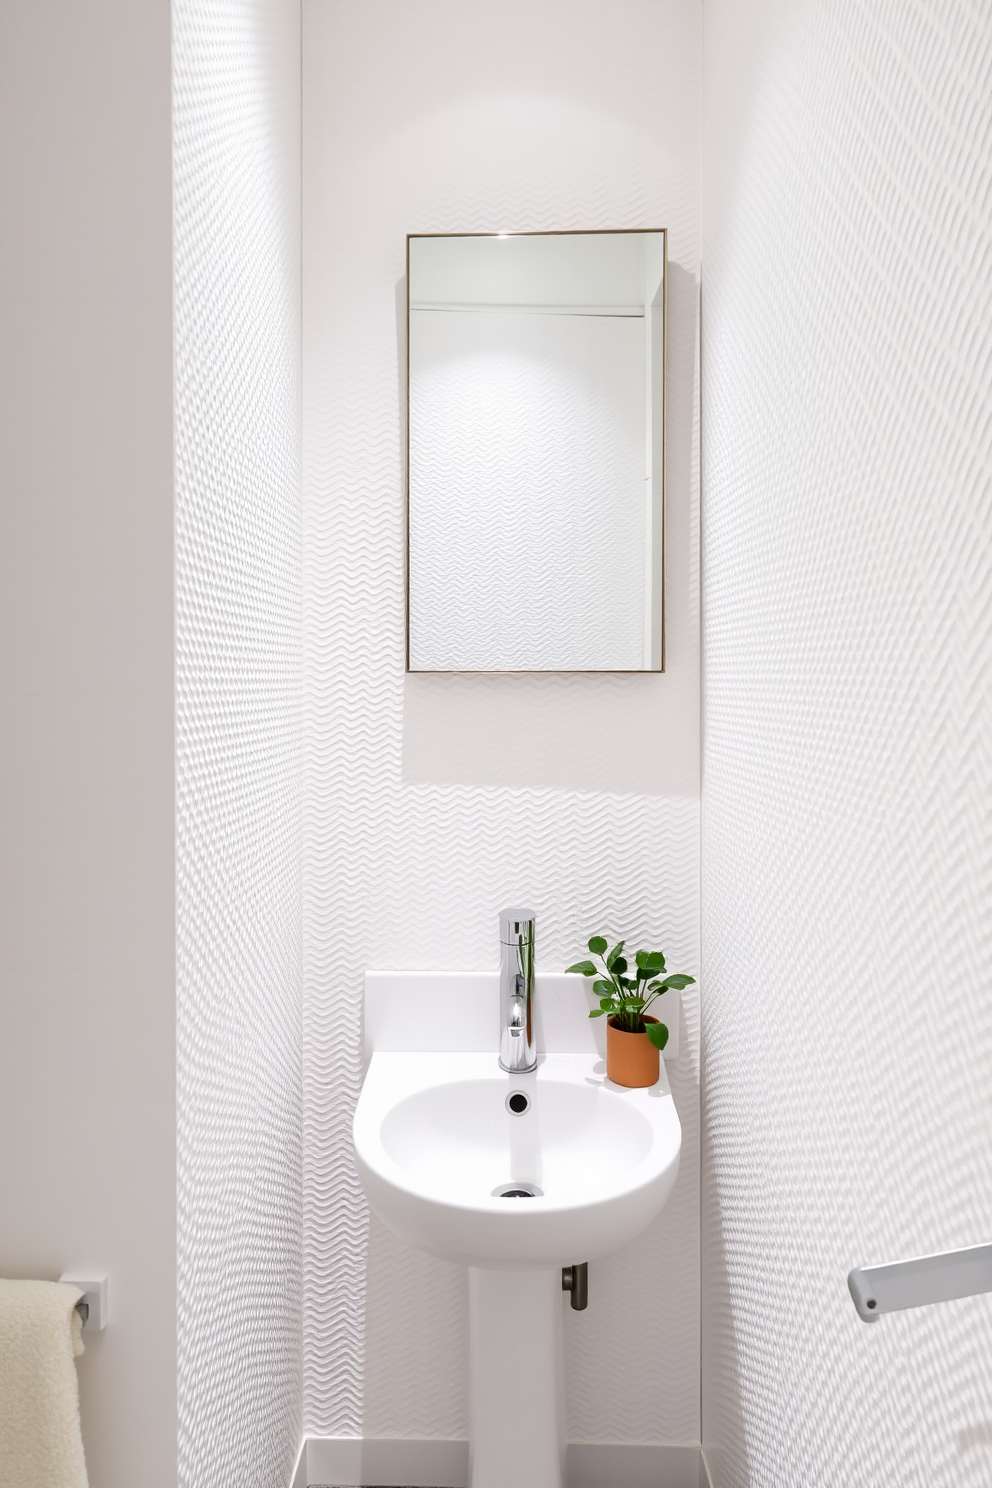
<point>517,1047</point>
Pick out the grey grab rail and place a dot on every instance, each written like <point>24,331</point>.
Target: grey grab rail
<point>922,1280</point>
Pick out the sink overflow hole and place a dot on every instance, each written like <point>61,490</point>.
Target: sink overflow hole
<point>517,1191</point>
<point>517,1103</point>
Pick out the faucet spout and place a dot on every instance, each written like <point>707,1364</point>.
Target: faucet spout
<point>517,1047</point>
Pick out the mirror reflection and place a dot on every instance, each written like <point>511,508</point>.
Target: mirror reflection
<point>536,406</point>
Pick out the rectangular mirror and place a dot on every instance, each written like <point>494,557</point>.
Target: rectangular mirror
<point>536,452</point>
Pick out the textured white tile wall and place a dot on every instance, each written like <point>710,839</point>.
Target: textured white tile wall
<point>447,115</point>
<point>239,727</point>
<point>848,772</point>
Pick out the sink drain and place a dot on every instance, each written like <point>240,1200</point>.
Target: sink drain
<point>518,1191</point>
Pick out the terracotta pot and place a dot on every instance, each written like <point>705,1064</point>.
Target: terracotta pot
<point>631,1058</point>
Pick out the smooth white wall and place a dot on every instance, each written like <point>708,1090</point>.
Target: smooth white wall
<point>433,801</point>
<point>847,772</point>
<point>87,1045</point>
<point>239,737</point>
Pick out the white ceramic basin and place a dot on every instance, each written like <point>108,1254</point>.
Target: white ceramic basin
<point>434,1142</point>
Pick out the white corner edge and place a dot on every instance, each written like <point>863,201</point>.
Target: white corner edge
<point>299,1475</point>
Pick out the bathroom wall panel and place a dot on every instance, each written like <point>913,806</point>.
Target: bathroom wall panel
<point>239,722</point>
<point>848,645</point>
<point>87,858</point>
<point>431,802</point>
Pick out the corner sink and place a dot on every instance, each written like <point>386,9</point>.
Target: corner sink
<point>510,1175</point>
<point>447,1164</point>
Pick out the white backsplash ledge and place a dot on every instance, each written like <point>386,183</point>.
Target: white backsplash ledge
<point>452,1011</point>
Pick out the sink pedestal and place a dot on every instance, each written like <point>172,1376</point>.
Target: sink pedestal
<point>440,1137</point>
<point>516,1387</point>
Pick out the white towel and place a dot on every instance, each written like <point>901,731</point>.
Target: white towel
<point>40,1441</point>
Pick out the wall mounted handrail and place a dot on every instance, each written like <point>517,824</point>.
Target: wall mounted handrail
<point>920,1281</point>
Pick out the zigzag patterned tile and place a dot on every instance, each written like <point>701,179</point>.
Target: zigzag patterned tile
<point>238,725</point>
<point>592,123</point>
<point>848,768</point>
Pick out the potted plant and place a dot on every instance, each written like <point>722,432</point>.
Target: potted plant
<point>633,1039</point>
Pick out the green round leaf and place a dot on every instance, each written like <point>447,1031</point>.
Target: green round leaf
<point>598,945</point>
<point>598,1012</point>
<point>611,958</point>
<point>657,1034</point>
<point>582,968</point>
